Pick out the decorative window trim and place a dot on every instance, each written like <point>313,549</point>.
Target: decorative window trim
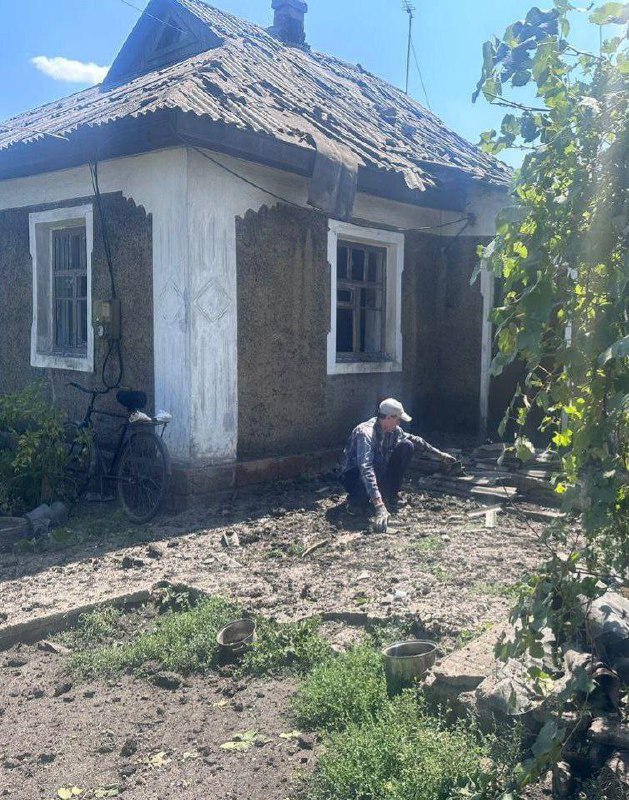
<point>394,244</point>
<point>40,225</point>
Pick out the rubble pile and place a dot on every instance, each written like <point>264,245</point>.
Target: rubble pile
<point>491,473</point>
<point>593,675</point>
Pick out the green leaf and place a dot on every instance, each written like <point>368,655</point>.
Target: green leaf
<point>620,349</point>
<point>524,448</point>
<point>291,735</point>
<point>520,249</point>
<point>548,738</point>
<point>617,13</point>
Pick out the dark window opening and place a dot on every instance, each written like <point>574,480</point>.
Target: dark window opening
<point>69,267</point>
<point>360,302</point>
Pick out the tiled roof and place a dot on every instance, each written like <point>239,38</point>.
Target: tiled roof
<point>256,83</point>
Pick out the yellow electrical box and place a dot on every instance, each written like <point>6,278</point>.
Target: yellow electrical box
<point>106,318</point>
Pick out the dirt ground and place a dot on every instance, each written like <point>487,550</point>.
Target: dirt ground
<point>438,568</point>
<point>150,743</point>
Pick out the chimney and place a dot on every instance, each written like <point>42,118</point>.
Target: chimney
<point>288,22</point>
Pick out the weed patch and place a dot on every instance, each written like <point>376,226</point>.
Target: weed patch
<point>93,628</point>
<point>181,642</point>
<point>430,544</point>
<point>400,754</point>
<point>294,646</point>
<point>344,690</point>
<point>508,590</point>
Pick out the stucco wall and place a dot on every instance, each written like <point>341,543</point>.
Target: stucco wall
<point>287,403</point>
<point>458,329</point>
<point>129,231</point>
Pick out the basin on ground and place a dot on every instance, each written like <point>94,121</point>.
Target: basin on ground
<point>406,663</point>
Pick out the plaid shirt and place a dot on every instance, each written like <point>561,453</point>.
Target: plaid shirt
<point>369,449</point>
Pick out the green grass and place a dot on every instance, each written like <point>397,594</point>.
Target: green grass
<point>347,689</point>
<point>294,646</point>
<point>93,628</point>
<point>469,634</point>
<point>402,753</point>
<point>442,574</point>
<point>508,590</point>
<point>184,641</point>
<point>377,748</point>
<point>430,544</point>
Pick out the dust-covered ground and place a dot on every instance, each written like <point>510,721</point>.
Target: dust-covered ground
<point>437,565</point>
<point>131,739</point>
<point>438,568</point>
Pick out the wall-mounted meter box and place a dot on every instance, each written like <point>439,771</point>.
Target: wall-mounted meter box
<point>106,318</point>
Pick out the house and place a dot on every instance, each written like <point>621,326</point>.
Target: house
<point>286,238</point>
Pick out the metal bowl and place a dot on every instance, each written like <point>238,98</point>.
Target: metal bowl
<point>234,638</point>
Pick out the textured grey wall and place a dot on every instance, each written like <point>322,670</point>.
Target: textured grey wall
<point>287,403</point>
<point>131,246</point>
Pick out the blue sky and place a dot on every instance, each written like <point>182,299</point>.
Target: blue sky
<point>448,38</point>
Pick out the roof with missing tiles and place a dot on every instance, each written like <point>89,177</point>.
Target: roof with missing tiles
<point>252,81</point>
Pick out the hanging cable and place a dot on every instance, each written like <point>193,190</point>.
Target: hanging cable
<point>467,219</point>
<point>152,16</point>
<point>421,77</point>
<point>114,344</point>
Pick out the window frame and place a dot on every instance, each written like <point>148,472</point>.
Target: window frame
<point>393,243</point>
<point>355,287</point>
<point>44,352</point>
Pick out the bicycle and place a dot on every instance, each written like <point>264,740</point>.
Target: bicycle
<point>140,465</point>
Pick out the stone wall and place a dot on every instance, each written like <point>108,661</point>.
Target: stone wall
<point>129,230</point>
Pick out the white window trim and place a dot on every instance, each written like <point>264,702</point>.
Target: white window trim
<point>45,222</point>
<point>394,244</point>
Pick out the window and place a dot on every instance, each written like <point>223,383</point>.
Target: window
<point>69,268</point>
<point>61,249</point>
<point>366,270</point>
<point>360,301</point>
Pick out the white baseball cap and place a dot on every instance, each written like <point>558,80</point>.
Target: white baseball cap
<point>393,408</point>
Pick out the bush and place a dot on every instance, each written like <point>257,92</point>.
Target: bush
<point>33,455</point>
<point>402,754</point>
<point>348,689</point>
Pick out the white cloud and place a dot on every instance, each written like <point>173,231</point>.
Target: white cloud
<point>65,69</point>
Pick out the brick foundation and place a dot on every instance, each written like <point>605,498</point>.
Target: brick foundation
<point>193,486</point>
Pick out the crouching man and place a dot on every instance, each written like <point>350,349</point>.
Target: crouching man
<point>376,458</point>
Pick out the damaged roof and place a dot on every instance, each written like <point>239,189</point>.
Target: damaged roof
<point>252,81</point>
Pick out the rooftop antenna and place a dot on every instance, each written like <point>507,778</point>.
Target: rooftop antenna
<point>410,10</point>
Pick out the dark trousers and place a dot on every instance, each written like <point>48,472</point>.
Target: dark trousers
<point>389,477</point>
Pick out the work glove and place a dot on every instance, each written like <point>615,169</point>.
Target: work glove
<point>381,519</point>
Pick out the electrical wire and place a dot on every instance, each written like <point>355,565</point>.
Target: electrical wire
<point>421,77</point>
<point>152,16</point>
<point>114,344</point>
<point>281,199</point>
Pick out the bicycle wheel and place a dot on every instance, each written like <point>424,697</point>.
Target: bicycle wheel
<point>80,459</point>
<point>142,475</point>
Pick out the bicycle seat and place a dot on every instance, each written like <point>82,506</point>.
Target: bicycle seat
<point>132,401</point>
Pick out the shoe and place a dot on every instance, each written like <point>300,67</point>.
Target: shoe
<point>396,501</point>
